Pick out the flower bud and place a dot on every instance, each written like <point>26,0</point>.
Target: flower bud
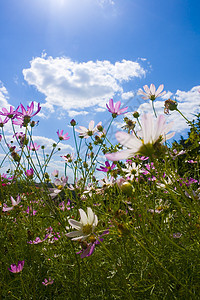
<point>170,105</point>
<point>136,114</point>
<point>127,188</point>
<point>73,122</point>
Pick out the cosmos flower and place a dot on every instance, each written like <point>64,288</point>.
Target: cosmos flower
<point>2,122</point>
<point>47,282</point>
<point>85,227</point>
<point>29,173</point>
<point>131,171</point>
<point>34,147</point>
<point>55,173</point>
<point>87,132</point>
<point>62,136</point>
<point>105,182</point>
<point>152,132</point>
<point>9,114</point>
<point>115,109</point>
<point>68,158</point>
<point>14,203</point>
<point>17,268</point>
<point>29,111</point>
<point>88,249</point>
<point>151,93</point>
<point>24,117</point>
<point>106,168</point>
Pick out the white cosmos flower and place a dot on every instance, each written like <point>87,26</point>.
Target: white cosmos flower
<point>85,227</point>
<point>151,93</point>
<point>131,170</point>
<point>152,132</point>
<point>87,132</point>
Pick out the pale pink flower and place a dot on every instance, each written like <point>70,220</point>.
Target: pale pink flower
<point>88,132</point>
<point>152,131</point>
<point>151,93</point>
<point>55,173</point>
<point>105,182</point>
<point>115,108</point>
<point>14,203</point>
<point>34,147</point>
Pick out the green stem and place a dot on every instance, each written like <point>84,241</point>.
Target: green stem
<point>154,109</point>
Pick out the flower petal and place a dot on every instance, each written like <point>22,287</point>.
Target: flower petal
<point>84,219</point>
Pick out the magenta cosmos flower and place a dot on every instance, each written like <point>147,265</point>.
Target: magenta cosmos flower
<point>17,268</point>
<point>62,136</point>
<point>88,249</point>
<point>152,131</point>
<point>29,173</point>
<point>115,108</point>
<point>107,168</point>
<point>25,116</point>
<point>151,93</point>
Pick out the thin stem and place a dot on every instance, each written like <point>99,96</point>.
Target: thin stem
<point>154,109</point>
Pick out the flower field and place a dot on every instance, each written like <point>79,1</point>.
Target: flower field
<point>127,227</point>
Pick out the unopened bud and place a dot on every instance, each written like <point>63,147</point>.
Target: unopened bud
<point>170,105</point>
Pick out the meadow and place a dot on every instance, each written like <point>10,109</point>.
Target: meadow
<point>127,227</point>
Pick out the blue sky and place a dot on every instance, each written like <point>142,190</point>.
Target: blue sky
<point>72,56</point>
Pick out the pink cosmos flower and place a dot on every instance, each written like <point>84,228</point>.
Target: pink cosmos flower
<point>29,111</point>
<point>115,109</point>
<point>29,210</point>
<point>29,173</point>
<point>107,168</point>
<point>34,147</point>
<point>2,122</point>
<point>143,143</point>
<point>47,282</point>
<point>87,132</point>
<point>17,268</point>
<point>10,114</point>
<point>68,158</point>
<point>14,203</point>
<point>24,117</point>
<point>151,93</point>
<point>62,136</point>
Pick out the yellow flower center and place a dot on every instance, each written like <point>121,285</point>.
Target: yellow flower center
<point>87,229</point>
<point>60,187</point>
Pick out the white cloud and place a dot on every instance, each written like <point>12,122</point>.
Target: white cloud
<point>188,104</point>
<point>73,113</point>
<point>71,85</point>
<point>3,97</point>
<point>99,109</point>
<point>127,96</point>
